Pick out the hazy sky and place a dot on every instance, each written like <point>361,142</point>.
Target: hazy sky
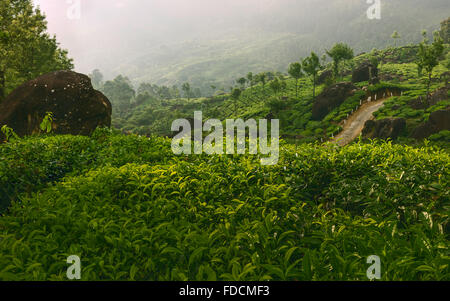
<point>112,27</point>
<point>129,36</point>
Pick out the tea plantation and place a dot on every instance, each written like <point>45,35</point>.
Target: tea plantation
<point>131,210</point>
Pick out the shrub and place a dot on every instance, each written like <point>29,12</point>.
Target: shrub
<point>316,215</point>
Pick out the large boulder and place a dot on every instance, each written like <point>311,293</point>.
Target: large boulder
<point>438,121</point>
<point>364,72</point>
<point>77,108</point>
<point>332,97</point>
<point>384,128</point>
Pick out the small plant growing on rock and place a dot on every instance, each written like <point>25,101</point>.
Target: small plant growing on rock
<point>9,133</point>
<point>46,124</point>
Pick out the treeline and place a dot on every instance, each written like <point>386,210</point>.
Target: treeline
<point>308,67</point>
<point>124,96</point>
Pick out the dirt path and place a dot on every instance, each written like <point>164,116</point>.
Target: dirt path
<point>355,124</point>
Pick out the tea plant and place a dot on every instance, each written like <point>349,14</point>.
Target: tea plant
<point>133,211</point>
<point>9,133</point>
<point>47,123</point>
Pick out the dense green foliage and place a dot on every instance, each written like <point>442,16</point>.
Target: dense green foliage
<point>30,166</point>
<point>132,210</point>
<point>26,49</point>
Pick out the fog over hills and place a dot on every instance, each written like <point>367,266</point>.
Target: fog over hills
<point>214,41</point>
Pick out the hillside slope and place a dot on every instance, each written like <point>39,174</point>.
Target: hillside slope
<point>397,71</point>
<point>270,40</point>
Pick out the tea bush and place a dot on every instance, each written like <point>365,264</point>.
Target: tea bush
<point>30,164</point>
<point>133,211</point>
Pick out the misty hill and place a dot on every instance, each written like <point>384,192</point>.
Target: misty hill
<point>216,51</point>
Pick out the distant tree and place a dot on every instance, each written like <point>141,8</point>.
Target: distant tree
<point>213,89</point>
<point>445,77</point>
<point>324,59</point>
<point>262,78</point>
<point>164,92</point>
<point>447,61</point>
<point>152,90</point>
<point>375,61</point>
<point>175,92</point>
<point>395,36</point>
<point>425,36</point>
<point>296,72</point>
<point>141,99</point>
<point>275,85</point>
<point>311,65</point>
<point>121,93</point>
<point>445,31</point>
<point>198,92</point>
<point>242,81</point>
<point>26,49</point>
<point>340,52</point>
<point>235,94</point>
<point>96,78</point>
<point>283,85</point>
<point>270,76</point>
<point>374,58</point>
<point>250,79</point>
<point>186,87</point>
<point>428,58</point>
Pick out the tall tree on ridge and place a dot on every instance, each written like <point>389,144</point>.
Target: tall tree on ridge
<point>428,58</point>
<point>395,36</point>
<point>242,81</point>
<point>295,70</point>
<point>187,90</point>
<point>311,65</point>
<point>340,52</point>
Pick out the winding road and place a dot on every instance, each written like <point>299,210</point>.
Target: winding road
<point>355,124</point>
